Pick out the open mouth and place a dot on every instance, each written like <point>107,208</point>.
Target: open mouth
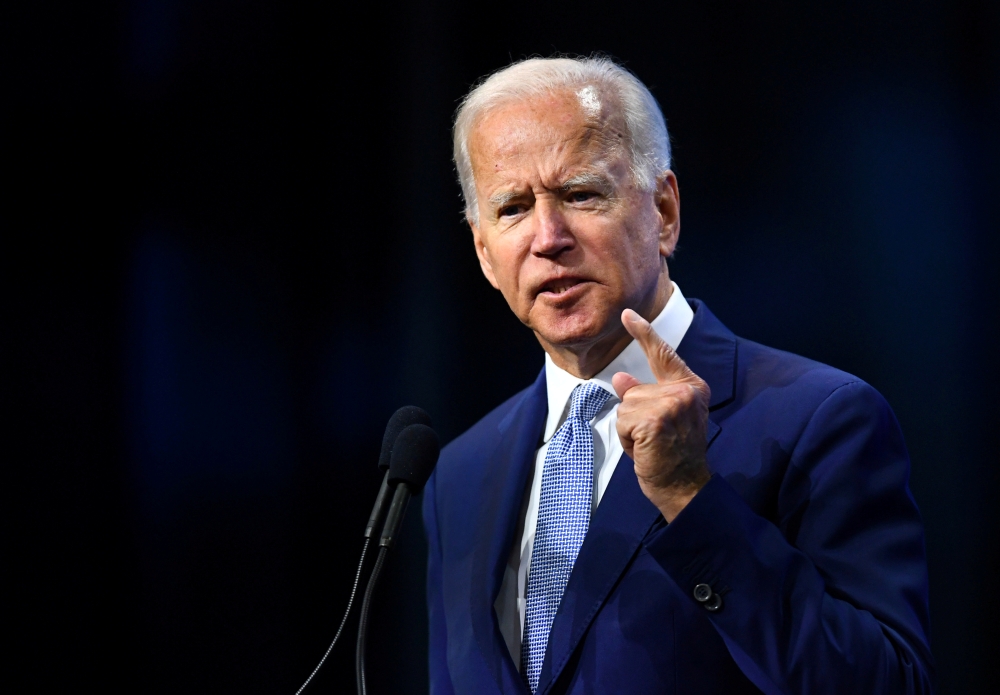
<point>561,286</point>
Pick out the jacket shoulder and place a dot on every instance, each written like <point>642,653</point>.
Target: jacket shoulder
<point>763,370</point>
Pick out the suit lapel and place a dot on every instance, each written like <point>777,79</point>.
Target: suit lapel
<point>709,349</point>
<point>503,491</point>
<point>625,515</point>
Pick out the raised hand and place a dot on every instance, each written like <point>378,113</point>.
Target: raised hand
<point>662,425</point>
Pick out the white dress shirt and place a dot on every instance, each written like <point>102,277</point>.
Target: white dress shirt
<point>671,325</point>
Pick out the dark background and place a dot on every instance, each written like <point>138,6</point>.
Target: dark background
<point>234,246</point>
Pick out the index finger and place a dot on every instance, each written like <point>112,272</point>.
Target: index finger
<point>664,362</point>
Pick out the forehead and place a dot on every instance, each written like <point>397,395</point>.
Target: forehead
<point>545,129</point>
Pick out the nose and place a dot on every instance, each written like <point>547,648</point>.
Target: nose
<point>552,235</point>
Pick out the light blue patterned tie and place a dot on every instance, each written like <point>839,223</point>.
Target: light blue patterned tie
<point>563,520</point>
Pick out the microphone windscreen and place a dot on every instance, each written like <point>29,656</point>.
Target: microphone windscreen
<point>400,420</point>
<point>413,457</point>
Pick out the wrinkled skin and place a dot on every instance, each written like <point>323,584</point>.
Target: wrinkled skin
<point>662,425</point>
<point>572,243</point>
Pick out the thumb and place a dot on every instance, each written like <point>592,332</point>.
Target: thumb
<point>664,362</point>
<point>623,381</point>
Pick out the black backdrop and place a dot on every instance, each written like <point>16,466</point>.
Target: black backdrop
<point>234,247</point>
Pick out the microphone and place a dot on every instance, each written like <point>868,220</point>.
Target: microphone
<point>413,457</point>
<point>400,420</point>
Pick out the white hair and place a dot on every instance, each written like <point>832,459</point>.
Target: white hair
<point>590,78</point>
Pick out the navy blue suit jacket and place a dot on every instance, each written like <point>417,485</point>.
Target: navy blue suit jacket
<point>807,530</point>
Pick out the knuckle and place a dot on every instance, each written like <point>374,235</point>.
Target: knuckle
<point>652,421</point>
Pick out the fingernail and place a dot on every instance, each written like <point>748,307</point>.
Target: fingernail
<point>634,316</point>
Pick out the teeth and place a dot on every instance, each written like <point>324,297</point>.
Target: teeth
<point>560,286</point>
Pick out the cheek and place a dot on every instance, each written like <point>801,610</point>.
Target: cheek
<point>507,259</point>
<point>643,245</point>
<point>630,246</point>
<point>634,261</point>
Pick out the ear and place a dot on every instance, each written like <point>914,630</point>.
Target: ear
<point>668,204</point>
<point>482,253</point>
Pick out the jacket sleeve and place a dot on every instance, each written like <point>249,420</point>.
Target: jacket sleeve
<point>832,596</point>
<point>440,680</point>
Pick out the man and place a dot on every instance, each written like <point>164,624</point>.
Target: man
<point>668,508</point>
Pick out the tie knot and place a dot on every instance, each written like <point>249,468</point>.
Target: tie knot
<point>587,401</point>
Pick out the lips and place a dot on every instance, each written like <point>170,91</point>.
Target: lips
<point>558,287</point>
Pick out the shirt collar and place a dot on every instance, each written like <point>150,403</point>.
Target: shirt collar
<point>671,324</point>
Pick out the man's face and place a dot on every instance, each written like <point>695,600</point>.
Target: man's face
<point>563,231</point>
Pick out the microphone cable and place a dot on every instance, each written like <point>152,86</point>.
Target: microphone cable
<point>350,602</point>
<point>363,627</point>
<point>402,420</point>
<point>413,457</point>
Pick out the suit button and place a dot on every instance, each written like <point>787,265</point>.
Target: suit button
<point>702,592</point>
<point>714,603</point>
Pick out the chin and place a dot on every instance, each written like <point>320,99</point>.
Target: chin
<point>572,330</point>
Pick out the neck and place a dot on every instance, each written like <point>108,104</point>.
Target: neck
<point>584,361</point>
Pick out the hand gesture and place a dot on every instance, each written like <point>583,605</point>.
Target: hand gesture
<point>662,425</point>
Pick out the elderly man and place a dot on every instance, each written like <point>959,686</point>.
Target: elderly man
<point>668,508</point>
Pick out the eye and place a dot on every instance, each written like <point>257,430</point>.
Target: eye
<point>511,210</point>
<point>581,196</point>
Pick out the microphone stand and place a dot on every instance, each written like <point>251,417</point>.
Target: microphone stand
<point>359,664</point>
<point>426,455</point>
<point>413,458</point>
<point>400,499</point>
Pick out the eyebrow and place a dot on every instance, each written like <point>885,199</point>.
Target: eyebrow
<point>588,178</point>
<point>502,198</point>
